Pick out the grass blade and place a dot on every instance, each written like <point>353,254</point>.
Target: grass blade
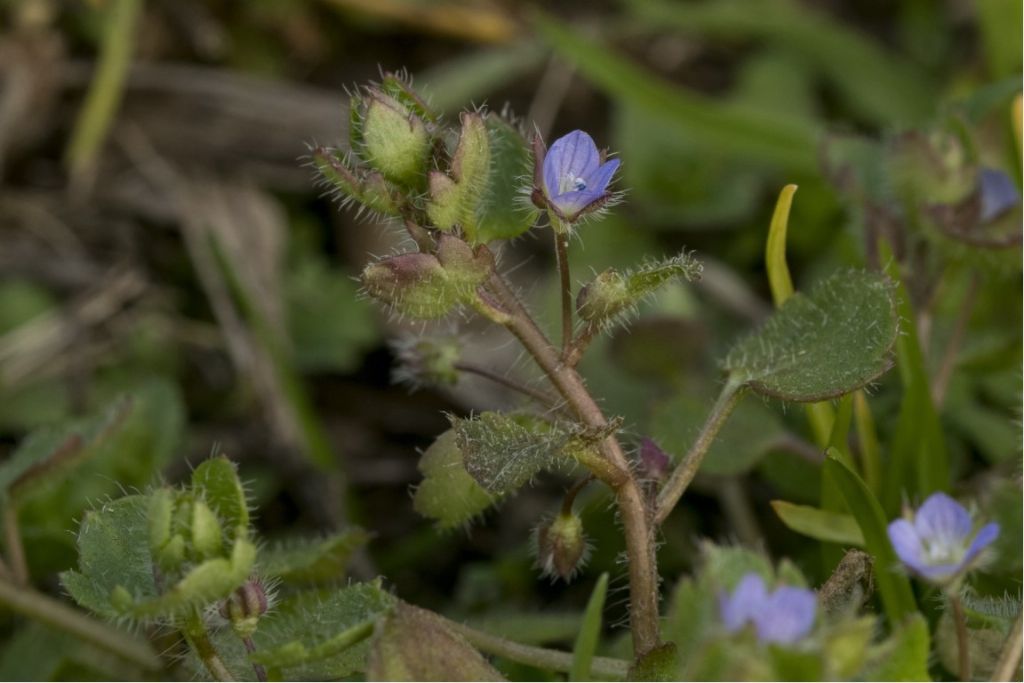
<point>893,585</point>
<point>590,633</point>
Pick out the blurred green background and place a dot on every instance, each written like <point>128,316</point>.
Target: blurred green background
<point>161,237</point>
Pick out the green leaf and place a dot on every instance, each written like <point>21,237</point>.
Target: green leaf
<point>413,644</point>
<point>329,325</point>
<point>739,131</point>
<point>312,560</point>
<point>503,452</point>
<point>822,525</point>
<point>113,545</point>
<point>480,193</point>
<point>590,632</point>
<point>893,585</point>
<point>918,462</point>
<point>216,480</point>
<point>691,615</point>
<point>821,345</point>
<point>501,213</point>
<point>448,494</point>
<point>904,656</point>
<point>313,635</point>
<point>745,439</point>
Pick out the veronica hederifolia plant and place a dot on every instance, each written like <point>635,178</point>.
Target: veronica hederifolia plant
<point>458,189</point>
<point>456,224</point>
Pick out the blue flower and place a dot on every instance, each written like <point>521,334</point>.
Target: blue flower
<point>939,542</point>
<point>784,616</point>
<point>998,194</point>
<point>575,181</point>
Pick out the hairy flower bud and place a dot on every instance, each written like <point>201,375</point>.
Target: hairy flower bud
<point>245,606</point>
<point>604,297</point>
<point>561,546</point>
<point>392,138</point>
<point>206,530</point>
<point>413,284</point>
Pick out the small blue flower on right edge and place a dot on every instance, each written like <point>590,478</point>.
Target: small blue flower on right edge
<point>940,541</point>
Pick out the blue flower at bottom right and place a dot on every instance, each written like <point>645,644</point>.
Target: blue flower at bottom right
<point>940,541</point>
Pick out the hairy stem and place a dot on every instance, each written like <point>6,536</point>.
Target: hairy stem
<point>250,647</point>
<point>46,610</point>
<point>633,510</point>
<point>562,258</point>
<point>507,382</point>
<point>540,657</point>
<point>580,344</point>
<point>1009,657</point>
<point>962,644</point>
<point>686,470</point>
<point>198,637</point>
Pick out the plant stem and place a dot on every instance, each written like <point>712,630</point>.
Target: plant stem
<point>199,639</point>
<point>508,382</point>
<point>580,344</point>
<point>687,468</point>
<point>1009,658</point>
<point>250,647</point>
<point>962,644</point>
<point>46,610</point>
<point>540,657</point>
<point>562,258</point>
<point>636,522</point>
<point>15,547</point>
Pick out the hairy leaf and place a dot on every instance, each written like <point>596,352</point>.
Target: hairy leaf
<point>613,294</point>
<point>216,480</point>
<point>504,452</point>
<point>448,494</point>
<point>823,344</point>
<point>313,560</point>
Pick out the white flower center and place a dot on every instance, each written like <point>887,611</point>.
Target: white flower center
<point>941,551</point>
<point>576,183</point>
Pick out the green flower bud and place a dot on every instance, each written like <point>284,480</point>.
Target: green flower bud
<point>604,297</point>
<point>465,267</point>
<point>206,531</point>
<point>121,599</point>
<point>172,555</point>
<point>413,284</point>
<point>933,167</point>
<point>369,189</point>
<point>454,198</point>
<point>245,606</point>
<point>161,513</point>
<point>561,546</point>
<point>395,141</point>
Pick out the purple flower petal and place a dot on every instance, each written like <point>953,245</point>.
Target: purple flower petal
<point>906,543</point>
<point>787,616</point>
<point>942,521</point>
<point>939,573</point>
<point>571,158</point>
<point>998,193</point>
<point>746,600</point>
<point>599,179</point>
<point>986,535</point>
<point>571,203</point>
